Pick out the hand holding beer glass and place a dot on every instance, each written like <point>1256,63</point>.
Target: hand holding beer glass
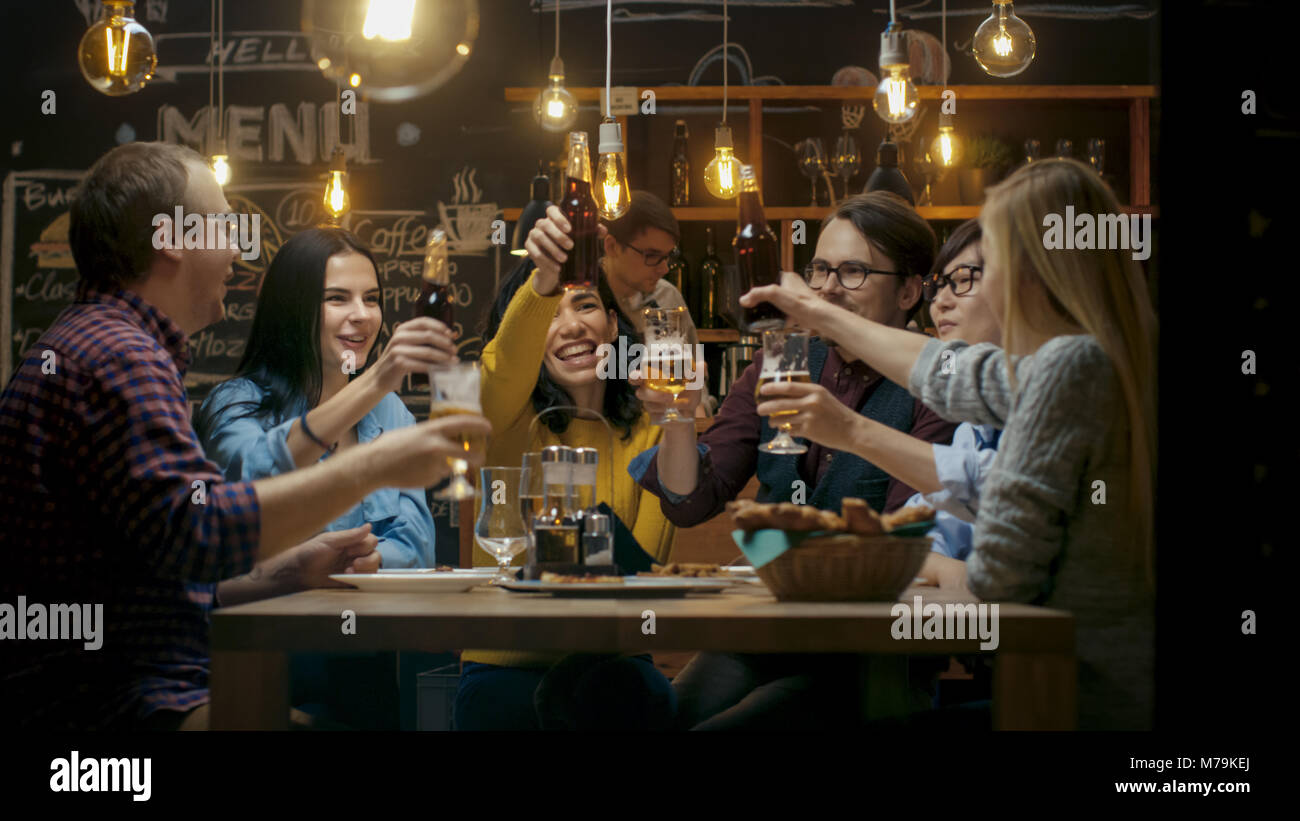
<point>785,359</point>
<point>454,389</point>
<point>670,360</point>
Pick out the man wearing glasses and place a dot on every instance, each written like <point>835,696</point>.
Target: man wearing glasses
<point>871,254</point>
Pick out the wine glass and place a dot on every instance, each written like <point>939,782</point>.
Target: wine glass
<point>500,526</point>
<point>1065,147</point>
<point>926,169</point>
<point>670,365</point>
<point>847,158</point>
<point>785,359</point>
<point>453,389</point>
<point>812,161</point>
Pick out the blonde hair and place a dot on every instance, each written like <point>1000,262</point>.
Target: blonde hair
<point>1098,292</point>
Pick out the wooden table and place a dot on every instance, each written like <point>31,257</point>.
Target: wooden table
<point>1034,664</point>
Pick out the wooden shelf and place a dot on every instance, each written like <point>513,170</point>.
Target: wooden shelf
<point>718,334</point>
<point>926,92</point>
<point>727,213</point>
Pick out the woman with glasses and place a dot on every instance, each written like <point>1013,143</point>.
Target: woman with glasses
<point>1065,513</point>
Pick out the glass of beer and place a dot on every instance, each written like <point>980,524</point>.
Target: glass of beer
<point>670,360</point>
<point>454,388</point>
<point>785,359</point>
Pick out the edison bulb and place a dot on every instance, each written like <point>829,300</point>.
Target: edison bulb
<point>117,54</point>
<point>1004,45</point>
<point>336,197</point>
<point>221,168</point>
<point>555,108</point>
<point>391,50</point>
<point>611,191</point>
<point>722,174</point>
<point>946,149</point>
<point>896,96</point>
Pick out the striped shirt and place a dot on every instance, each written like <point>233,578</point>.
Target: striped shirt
<point>108,499</point>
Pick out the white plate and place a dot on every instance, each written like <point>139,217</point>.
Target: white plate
<point>412,582</point>
<point>631,587</point>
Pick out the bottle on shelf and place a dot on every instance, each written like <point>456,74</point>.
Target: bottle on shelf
<point>679,274</point>
<point>581,268</point>
<point>680,170</point>
<point>758,257</point>
<point>888,176</point>
<point>708,279</point>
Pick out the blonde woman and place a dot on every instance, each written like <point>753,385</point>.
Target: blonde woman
<point>1065,514</point>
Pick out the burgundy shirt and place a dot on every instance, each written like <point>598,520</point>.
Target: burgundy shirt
<point>732,442</point>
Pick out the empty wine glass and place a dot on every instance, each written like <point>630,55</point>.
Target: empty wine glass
<point>1097,154</point>
<point>1033,148</point>
<point>1065,147</point>
<point>500,527</point>
<point>811,155</point>
<point>847,158</point>
<point>926,169</point>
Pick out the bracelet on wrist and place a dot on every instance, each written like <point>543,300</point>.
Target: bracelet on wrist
<point>302,422</point>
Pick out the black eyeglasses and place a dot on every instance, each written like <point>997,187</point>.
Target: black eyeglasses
<point>653,258</point>
<point>850,274</point>
<point>962,280</point>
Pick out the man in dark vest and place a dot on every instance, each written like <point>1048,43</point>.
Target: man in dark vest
<point>871,255</point>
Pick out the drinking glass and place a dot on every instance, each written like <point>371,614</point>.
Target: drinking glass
<point>532,490</point>
<point>670,360</point>
<point>847,158</point>
<point>812,162</point>
<point>500,527</point>
<point>1097,154</point>
<point>453,389</point>
<point>785,359</point>
<point>1033,149</point>
<point>1065,147</point>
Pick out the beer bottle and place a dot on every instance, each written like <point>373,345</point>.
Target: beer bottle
<point>757,256</point>
<point>709,283</point>
<point>437,300</point>
<point>680,171</point>
<point>581,265</point>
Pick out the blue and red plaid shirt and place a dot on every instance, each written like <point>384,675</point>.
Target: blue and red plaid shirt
<point>108,498</point>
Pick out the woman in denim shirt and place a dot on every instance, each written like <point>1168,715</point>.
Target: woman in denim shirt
<point>313,381</point>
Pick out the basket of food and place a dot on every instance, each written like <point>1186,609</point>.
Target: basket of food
<point>805,554</point>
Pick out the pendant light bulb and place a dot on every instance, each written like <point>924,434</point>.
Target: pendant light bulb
<point>1004,45</point>
<point>611,191</point>
<point>722,174</point>
<point>389,20</point>
<point>896,96</point>
<point>117,54</point>
<point>555,108</point>
<point>336,198</point>
<point>220,163</point>
<point>946,149</point>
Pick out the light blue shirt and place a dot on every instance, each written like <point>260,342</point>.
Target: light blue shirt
<point>249,448</point>
<point>962,467</point>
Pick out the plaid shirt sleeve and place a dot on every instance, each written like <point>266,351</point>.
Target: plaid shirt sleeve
<point>152,478</point>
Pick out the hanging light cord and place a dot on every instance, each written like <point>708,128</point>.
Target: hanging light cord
<point>725,60</point>
<point>892,17</point>
<point>943,24</point>
<point>212,57</point>
<point>557,28</point>
<point>221,69</point>
<point>609,49</point>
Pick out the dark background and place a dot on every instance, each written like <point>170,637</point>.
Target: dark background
<point>1227,446</point>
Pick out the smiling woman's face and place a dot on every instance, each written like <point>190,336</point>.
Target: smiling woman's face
<point>580,326</point>
<point>350,312</point>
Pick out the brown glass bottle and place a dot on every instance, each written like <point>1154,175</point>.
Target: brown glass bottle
<point>680,169</point>
<point>437,298</point>
<point>757,255</point>
<point>581,266</point>
<point>709,284</point>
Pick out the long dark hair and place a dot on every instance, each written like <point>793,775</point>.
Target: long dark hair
<point>621,407</point>
<point>283,355</point>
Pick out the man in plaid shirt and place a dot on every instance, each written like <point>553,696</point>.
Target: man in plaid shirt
<point>107,495</point>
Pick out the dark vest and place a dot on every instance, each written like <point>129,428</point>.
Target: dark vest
<point>849,475</point>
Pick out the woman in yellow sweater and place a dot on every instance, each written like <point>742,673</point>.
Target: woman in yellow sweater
<point>544,353</point>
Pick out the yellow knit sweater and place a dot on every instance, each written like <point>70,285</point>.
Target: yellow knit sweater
<point>510,364</point>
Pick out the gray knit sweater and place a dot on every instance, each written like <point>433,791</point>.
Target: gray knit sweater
<point>1039,535</point>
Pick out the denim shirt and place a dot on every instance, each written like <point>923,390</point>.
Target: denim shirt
<point>248,448</point>
<point>962,468</point>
